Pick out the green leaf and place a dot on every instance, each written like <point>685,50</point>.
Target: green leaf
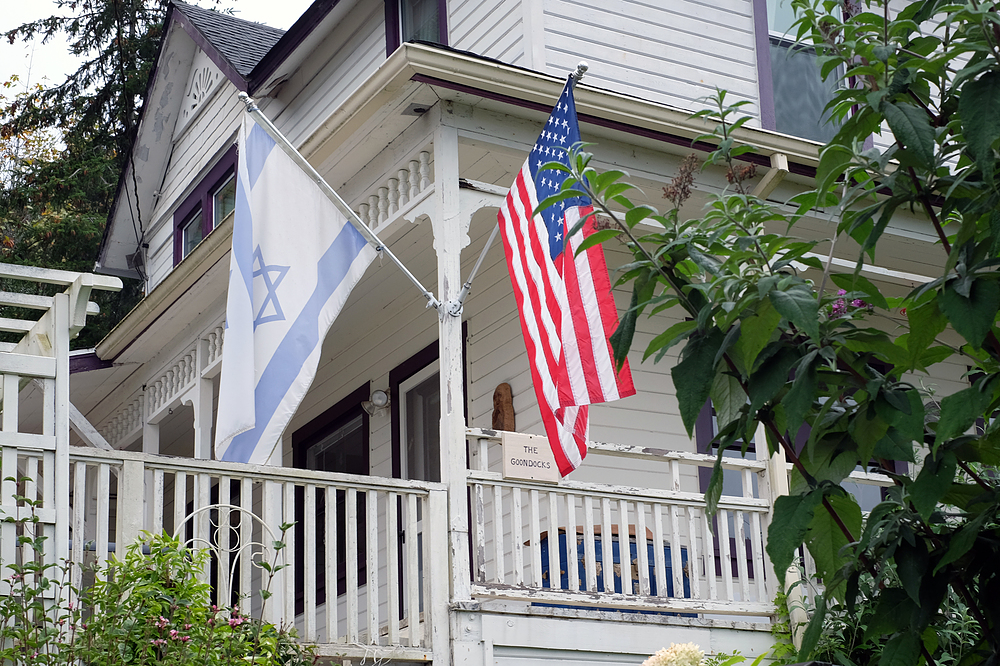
<point>926,323</point>
<point>933,481</point>
<point>892,613</point>
<point>621,339</point>
<point>901,650</point>
<point>911,126</point>
<point>959,411</point>
<point>792,516</point>
<point>803,392</point>
<point>670,337</point>
<point>826,540</point>
<point>770,377</point>
<point>814,629</point>
<point>694,374</point>
<point>714,491</point>
<point>705,262</point>
<point>728,398</point>
<point>597,238</point>
<point>972,317</point>
<point>832,162</point>
<point>800,307</point>
<point>867,429</point>
<point>980,122</point>
<point>912,562</point>
<point>756,331</point>
<point>961,541</point>
<point>852,282</point>
<point>896,445</point>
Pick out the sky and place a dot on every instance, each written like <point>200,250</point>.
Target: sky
<point>36,62</point>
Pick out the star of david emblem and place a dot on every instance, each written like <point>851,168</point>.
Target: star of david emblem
<point>265,272</point>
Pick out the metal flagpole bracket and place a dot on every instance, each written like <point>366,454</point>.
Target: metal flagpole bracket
<point>290,150</point>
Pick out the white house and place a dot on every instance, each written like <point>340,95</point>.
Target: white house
<point>419,113</point>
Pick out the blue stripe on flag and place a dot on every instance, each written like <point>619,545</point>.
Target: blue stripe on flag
<point>259,145</point>
<point>299,342</point>
<point>243,237</point>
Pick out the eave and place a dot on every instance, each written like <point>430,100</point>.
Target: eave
<point>460,76</point>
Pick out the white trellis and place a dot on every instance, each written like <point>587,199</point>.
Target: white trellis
<point>34,466</point>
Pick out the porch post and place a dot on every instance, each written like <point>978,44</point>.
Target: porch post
<point>775,485</point>
<point>448,242</point>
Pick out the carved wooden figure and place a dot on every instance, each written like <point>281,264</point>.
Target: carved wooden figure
<point>503,408</point>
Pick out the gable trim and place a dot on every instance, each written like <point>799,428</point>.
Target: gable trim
<point>202,42</point>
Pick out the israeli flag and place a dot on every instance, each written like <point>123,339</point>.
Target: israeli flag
<point>294,262</point>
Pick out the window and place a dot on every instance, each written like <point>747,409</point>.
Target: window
<point>793,95</point>
<point>224,200</point>
<point>211,202</point>
<point>415,20</point>
<point>335,441</point>
<point>415,403</point>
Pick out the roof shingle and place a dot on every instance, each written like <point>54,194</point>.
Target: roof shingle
<point>243,43</point>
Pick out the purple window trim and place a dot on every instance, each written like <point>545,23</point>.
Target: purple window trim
<point>765,82</point>
<point>202,198</point>
<point>393,38</point>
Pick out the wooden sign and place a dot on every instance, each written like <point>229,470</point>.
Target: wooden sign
<point>528,457</point>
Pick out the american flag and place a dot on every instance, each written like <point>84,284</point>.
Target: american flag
<point>567,311</point>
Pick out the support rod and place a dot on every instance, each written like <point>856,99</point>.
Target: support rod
<point>324,187</point>
<point>456,308</point>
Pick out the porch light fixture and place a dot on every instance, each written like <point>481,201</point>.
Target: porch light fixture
<point>379,400</point>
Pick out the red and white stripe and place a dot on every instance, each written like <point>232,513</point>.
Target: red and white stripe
<point>567,314</point>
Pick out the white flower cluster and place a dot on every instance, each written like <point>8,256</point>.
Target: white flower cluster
<point>684,654</point>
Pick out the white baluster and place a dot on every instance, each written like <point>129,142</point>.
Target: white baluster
<point>383,204</point>
<point>363,212</point>
<point>414,179</point>
<point>425,170</point>
<point>393,195</point>
<point>404,186</point>
<point>372,211</point>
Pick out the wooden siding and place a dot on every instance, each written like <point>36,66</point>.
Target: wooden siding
<point>494,30</point>
<point>343,60</point>
<point>196,150</point>
<point>673,52</point>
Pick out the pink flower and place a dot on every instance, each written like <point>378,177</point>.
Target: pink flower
<point>173,634</point>
<point>235,622</point>
<point>162,623</point>
<point>187,627</point>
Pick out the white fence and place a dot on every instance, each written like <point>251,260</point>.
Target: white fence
<point>358,570</point>
<point>549,543</point>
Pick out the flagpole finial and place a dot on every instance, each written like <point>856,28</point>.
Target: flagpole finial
<point>248,100</point>
<point>581,70</point>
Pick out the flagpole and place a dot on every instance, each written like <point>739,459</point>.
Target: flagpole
<point>455,307</point>
<point>297,157</point>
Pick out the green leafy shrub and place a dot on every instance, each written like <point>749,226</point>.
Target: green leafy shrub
<point>150,607</point>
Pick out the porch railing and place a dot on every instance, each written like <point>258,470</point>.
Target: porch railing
<point>360,578</point>
<point>617,546</point>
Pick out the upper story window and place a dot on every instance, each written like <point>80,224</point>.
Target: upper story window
<point>415,20</point>
<point>798,94</point>
<point>209,204</point>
